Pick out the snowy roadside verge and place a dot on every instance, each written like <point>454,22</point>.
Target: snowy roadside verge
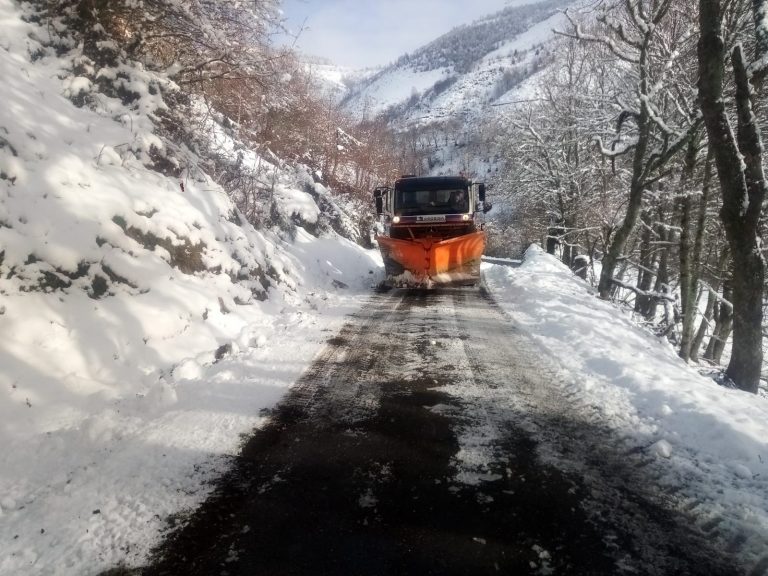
<point>94,484</point>
<point>145,324</point>
<point>710,443</point>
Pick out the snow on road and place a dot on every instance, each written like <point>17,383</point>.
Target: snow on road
<point>99,494</point>
<point>710,442</point>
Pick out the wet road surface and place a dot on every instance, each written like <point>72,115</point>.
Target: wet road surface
<point>432,437</point>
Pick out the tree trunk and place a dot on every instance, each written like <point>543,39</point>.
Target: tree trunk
<point>580,266</point>
<point>615,251</point>
<point>554,236</point>
<point>723,327</point>
<point>571,223</point>
<point>664,235</point>
<point>709,352</point>
<point>705,322</point>
<point>661,285</point>
<point>565,252</point>
<point>711,310</point>
<point>743,186</point>
<point>647,261</point>
<point>688,272</point>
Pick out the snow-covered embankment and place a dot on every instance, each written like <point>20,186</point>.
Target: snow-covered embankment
<point>711,442</point>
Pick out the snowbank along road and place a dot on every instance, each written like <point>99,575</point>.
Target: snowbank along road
<point>423,440</point>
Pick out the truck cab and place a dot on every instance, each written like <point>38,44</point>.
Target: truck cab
<point>440,206</point>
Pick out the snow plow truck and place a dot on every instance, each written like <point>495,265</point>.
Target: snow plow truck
<point>431,231</point>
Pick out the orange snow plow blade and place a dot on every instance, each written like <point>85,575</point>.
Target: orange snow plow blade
<point>432,261</point>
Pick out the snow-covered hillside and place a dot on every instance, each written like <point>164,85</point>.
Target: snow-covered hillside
<point>333,80</point>
<point>145,323</point>
<point>461,73</point>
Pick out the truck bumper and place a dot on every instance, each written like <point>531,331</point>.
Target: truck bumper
<point>427,262</point>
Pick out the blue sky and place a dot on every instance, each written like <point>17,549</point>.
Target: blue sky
<point>361,33</point>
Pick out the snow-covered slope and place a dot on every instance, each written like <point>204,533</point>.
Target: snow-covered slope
<point>463,72</point>
<point>145,324</point>
<point>707,444</point>
<point>333,80</point>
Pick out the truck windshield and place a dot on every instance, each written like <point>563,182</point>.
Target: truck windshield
<point>418,202</point>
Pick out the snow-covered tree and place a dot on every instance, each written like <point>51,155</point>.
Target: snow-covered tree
<point>739,160</point>
<point>645,41</point>
<point>613,160</point>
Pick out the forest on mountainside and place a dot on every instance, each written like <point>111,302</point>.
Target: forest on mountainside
<point>462,47</point>
<point>468,67</point>
<point>211,65</point>
<point>641,164</point>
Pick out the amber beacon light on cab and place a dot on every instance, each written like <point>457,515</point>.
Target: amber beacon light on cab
<point>431,230</point>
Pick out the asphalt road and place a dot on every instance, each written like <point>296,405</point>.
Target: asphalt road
<point>432,437</point>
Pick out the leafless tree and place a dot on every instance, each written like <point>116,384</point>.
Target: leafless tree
<point>739,161</point>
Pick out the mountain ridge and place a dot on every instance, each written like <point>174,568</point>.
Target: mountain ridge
<point>465,69</point>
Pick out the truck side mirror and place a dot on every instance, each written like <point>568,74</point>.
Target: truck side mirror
<point>377,197</point>
<point>481,192</point>
<point>487,207</point>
